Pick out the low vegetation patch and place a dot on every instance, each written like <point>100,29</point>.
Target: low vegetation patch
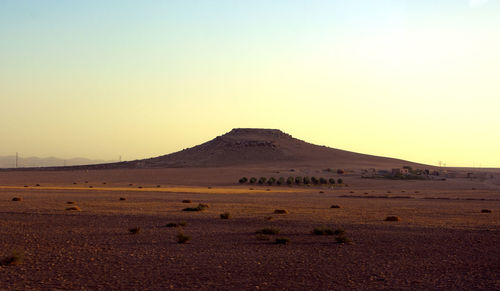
<point>280,211</point>
<point>134,230</point>
<point>485,211</point>
<point>15,259</point>
<point>342,239</point>
<point>176,224</point>
<point>200,207</point>
<point>70,202</point>
<point>261,236</point>
<point>335,206</point>
<point>123,198</point>
<point>268,230</point>
<point>73,208</point>
<point>186,201</point>
<point>182,238</point>
<point>392,218</point>
<point>17,199</point>
<point>322,230</point>
<point>339,231</point>
<point>225,215</point>
<point>282,241</point>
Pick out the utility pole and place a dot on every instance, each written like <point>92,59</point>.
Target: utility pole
<point>17,159</point>
<point>120,158</point>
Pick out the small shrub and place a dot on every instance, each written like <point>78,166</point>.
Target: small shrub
<point>200,207</point>
<point>322,230</point>
<point>261,236</point>
<point>340,171</point>
<point>290,180</point>
<point>262,180</point>
<point>271,180</point>
<point>15,259</point>
<point>269,218</point>
<point>306,180</point>
<point>243,180</point>
<point>268,230</point>
<point>342,239</point>
<point>70,202</point>
<point>392,218</point>
<point>331,181</point>
<point>282,241</point>
<point>281,181</point>
<point>485,211</point>
<point>74,183</point>
<point>17,199</point>
<point>280,211</point>
<point>339,231</point>
<point>134,230</point>
<point>335,206</point>
<point>140,187</point>
<point>299,180</point>
<point>73,208</point>
<point>186,201</point>
<point>181,238</point>
<point>225,215</point>
<point>253,180</point>
<point>128,184</point>
<point>158,186</point>
<point>321,192</point>
<point>322,180</point>
<point>340,181</point>
<point>314,180</point>
<point>38,185</point>
<point>123,198</point>
<point>174,224</point>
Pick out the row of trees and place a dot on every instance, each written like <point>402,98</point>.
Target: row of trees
<point>291,180</point>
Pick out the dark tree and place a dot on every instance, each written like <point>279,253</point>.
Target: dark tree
<point>253,180</point>
<point>243,180</point>
<point>306,180</point>
<point>262,180</point>
<point>290,180</point>
<point>332,181</point>
<point>339,181</point>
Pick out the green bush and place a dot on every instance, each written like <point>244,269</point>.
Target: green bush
<point>299,180</point>
<point>243,180</point>
<point>253,180</point>
<point>281,181</point>
<point>290,180</point>
<point>332,181</point>
<point>200,207</point>
<point>340,181</point>
<point>322,180</point>
<point>271,180</point>
<point>262,180</point>
<point>314,180</point>
<point>306,180</point>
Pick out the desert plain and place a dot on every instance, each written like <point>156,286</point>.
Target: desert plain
<point>443,240</point>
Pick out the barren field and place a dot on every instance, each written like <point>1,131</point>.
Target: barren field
<point>442,241</point>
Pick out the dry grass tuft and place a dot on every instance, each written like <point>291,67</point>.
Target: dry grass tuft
<point>181,238</point>
<point>15,259</point>
<point>392,218</point>
<point>282,241</point>
<point>280,211</point>
<point>134,230</point>
<point>268,230</point>
<point>225,215</point>
<point>73,208</point>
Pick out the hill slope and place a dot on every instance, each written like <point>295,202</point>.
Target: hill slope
<point>260,147</point>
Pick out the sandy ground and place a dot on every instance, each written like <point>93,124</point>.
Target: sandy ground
<point>443,241</point>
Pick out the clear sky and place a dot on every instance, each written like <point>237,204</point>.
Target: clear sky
<point>417,80</point>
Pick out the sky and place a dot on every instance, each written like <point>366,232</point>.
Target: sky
<point>416,80</point>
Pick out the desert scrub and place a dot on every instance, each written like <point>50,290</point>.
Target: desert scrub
<point>225,215</point>
<point>243,180</point>
<point>182,238</point>
<point>15,259</point>
<point>73,208</point>
<point>485,211</point>
<point>268,230</point>
<point>70,202</point>
<point>261,236</point>
<point>186,201</point>
<point>17,199</point>
<point>342,239</point>
<point>176,224</point>
<point>282,241</point>
<point>335,206</point>
<point>322,230</point>
<point>200,207</point>
<point>134,230</point>
<point>280,211</point>
<point>123,198</point>
<point>392,218</point>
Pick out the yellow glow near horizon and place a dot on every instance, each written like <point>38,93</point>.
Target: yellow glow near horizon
<point>400,79</point>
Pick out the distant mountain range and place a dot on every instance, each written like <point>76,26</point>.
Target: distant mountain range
<point>10,162</point>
